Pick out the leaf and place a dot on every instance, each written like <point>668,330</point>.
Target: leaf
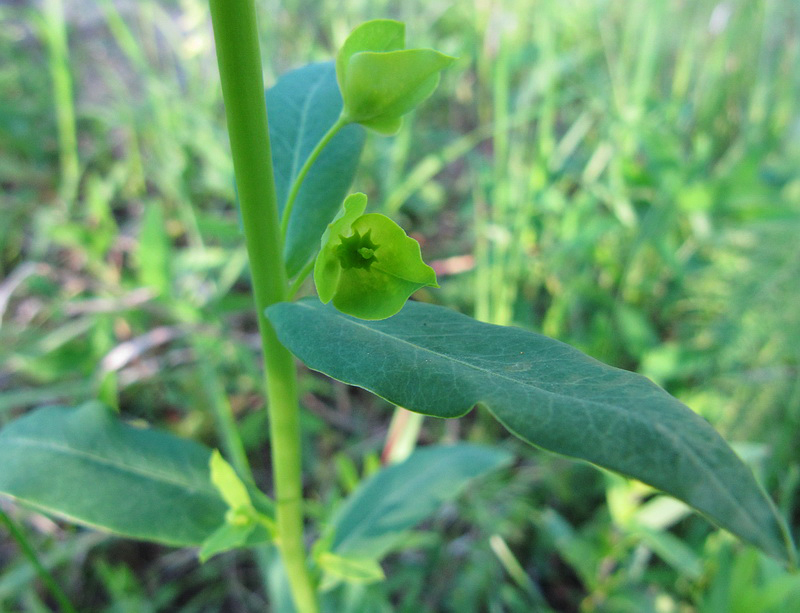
<point>302,106</point>
<point>244,524</point>
<point>379,88</point>
<point>238,534</point>
<point>352,570</point>
<point>375,35</point>
<point>435,361</point>
<point>226,537</point>
<point>367,264</point>
<point>85,465</point>
<point>377,516</point>
<point>228,483</point>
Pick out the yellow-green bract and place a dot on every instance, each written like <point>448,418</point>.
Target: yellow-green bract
<point>367,264</point>
<point>380,80</point>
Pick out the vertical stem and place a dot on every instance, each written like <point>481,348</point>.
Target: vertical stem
<point>236,37</point>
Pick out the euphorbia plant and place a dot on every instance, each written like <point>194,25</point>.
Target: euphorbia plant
<point>361,330</point>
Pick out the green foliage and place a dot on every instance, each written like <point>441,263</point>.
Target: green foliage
<point>85,465</point>
<point>435,361</point>
<point>244,524</point>
<point>618,175</point>
<point>228,483</point>
<point>349,569</point>
<point>367,264</point>
<point>745,581</point>
<point>377,518</point>
<point>377,36</point>
<point>302,106</point>
<point>378,515</point>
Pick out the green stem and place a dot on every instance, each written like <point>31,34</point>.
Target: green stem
<point>236,36</point>
<point>45,576</point>
<point>312,157</point>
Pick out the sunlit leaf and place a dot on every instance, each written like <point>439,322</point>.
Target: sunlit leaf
<point>227,482</point>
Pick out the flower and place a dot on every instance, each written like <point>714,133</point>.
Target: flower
<point>367,265</point>
<point>380,80</point>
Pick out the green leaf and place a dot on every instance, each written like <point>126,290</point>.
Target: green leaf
<point>244,524</point>
<point>375,35</point>
<point>226,537</point>
<point>435,361</point>
<point>367,264</point>
<point>244,527</point>
<point>302,106</point>
<point>378,515</point>
<point>379,88</point>
<point>351,570</point>
<point>227,482</point>
<point>85,465</point>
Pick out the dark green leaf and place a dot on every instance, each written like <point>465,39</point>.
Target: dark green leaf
<point>435,361</point>
<point>302,106</point>
<point>85,465</point>
<point>377,516</point>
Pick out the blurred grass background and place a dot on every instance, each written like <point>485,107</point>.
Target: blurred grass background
<point>620,175</point>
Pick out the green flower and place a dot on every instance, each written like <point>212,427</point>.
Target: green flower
<point>367,264</point>
<point>380,80</point>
